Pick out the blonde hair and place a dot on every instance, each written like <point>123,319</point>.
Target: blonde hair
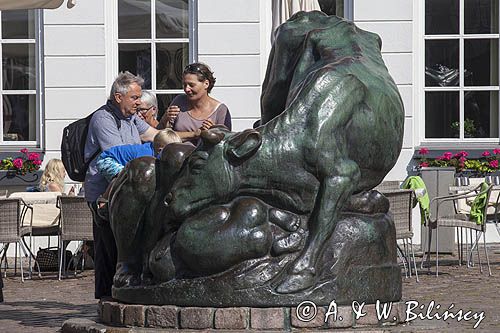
<point>53,173</point>
<point>163,138</point>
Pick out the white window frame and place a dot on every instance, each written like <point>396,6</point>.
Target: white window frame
<point>192,41</point>
<point>38,92</point>
<point>419,77</point>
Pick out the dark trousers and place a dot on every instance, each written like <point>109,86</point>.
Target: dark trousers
<point>104,254</point>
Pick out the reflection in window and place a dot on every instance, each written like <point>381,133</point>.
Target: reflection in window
<point>441,17</point>
<point>136,58</point>
<point>441,114</point>
<point>172,19</point>
<point>19,118</point>
<point>481,58</point>
<point>441,63</point>
<point>481,16</point>
<point>18,24</point>
<point>481,114</point>
<point>134,19</point>
<point>18,61</point>
<point>171,60</point>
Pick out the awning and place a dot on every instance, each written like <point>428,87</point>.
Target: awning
<point>284,9</point>
<point>33,4</point>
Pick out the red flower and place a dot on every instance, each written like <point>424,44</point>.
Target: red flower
<point>423,151</point>
<point>496,151</point>
<point>24,150</point>
<point>18,163</point>
<point>494,164</point>
<point>447,156</point>
<point>485,153</point>
<point>33,157</point>
<point>424,164</point>
<point>37,162</point>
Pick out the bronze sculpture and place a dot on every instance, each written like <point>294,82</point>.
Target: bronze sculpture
<point>272,215</point>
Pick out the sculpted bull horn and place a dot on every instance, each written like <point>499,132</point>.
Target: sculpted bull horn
<point>212,137</point>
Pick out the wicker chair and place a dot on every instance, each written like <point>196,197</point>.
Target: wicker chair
<point>461,220</point>
<point>75,224</point>
<point>12,212</point>
<point>401,205</point>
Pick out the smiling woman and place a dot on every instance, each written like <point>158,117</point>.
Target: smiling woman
<point>195,110</point>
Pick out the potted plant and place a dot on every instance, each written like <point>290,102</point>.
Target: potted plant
<point>17,167</point>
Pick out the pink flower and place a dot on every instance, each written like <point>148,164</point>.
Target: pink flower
<point>447,156</point>
<point>24,150</point>
<point>494,164</point>
<point>424,164</point>
<point>496,151</point>
<point>423,151</point>
<point>462,159</point>
<point>485,153</point>
<point>33,157</point>
<point>37,162</point>
<point>461,154</point>
<point>18,163</point>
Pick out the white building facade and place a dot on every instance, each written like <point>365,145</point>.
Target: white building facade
<point>58,65</point>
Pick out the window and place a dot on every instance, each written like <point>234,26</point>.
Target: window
<point>19,77</point>
<point>154,42</point>
<point>461,85</point>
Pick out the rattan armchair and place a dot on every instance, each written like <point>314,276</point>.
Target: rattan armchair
<point>401,206</point>
<point>12,212</point>
<point>461,219</point>
<point>75,225</point>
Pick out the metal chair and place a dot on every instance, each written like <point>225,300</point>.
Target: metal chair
<point>12,212</point>
<point>401,206</point>
<point>75,224</point>
<point>461,219</point>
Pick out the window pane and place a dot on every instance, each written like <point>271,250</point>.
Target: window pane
<point>481,16</point>
<point>18,66</point>
<point>136,58</point>
<point>171,58</point>
<point>441,114</point>
<point>481,114</point>
<point>164,101</point>
<point>441,63</point>
<point>134,19</point>
<point>481,62</point>
<point>19,118</point>
<point>172,19</point>
<point>19,24</point>
<point>441,17</point>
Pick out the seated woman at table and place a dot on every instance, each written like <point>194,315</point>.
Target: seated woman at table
<point>53,177</point>
<point>195,110</point>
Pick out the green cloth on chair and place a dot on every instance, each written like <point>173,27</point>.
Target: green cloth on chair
<point>417,184</point>
<point>478,205</point>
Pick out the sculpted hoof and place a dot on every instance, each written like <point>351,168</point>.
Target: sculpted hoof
<point>126,275</point>
<point>285,220</point>
<point>287,244</point>
<point>295,282</point>
<point>369,202</point>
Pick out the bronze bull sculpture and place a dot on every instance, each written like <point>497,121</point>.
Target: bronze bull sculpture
<point>332,126</point>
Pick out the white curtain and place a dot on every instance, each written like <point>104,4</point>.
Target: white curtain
<point>284,9</point>
<point>32,4</point>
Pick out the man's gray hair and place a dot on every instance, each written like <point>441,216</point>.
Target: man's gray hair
<point>149,98</point>
<point>122,83</point>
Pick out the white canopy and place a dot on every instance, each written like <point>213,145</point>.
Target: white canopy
<point>33,4</point>
<point>284,9</point>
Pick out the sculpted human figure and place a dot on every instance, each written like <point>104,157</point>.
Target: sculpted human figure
<point>319,144</point>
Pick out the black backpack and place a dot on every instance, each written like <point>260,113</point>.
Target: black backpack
<point>73,146</point>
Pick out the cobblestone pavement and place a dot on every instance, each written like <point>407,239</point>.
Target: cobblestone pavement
<point>42,305</point>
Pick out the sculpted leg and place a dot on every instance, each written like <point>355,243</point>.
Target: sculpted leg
<point>130,195</point>
<point>334,192</point>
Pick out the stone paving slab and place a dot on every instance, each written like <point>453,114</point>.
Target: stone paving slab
<point>43,305</point>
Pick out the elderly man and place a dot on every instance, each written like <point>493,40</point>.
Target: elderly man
<point>148,110</point>
<point>115,123</point>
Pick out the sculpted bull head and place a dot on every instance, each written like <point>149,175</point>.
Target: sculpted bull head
<point>212,172</point>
